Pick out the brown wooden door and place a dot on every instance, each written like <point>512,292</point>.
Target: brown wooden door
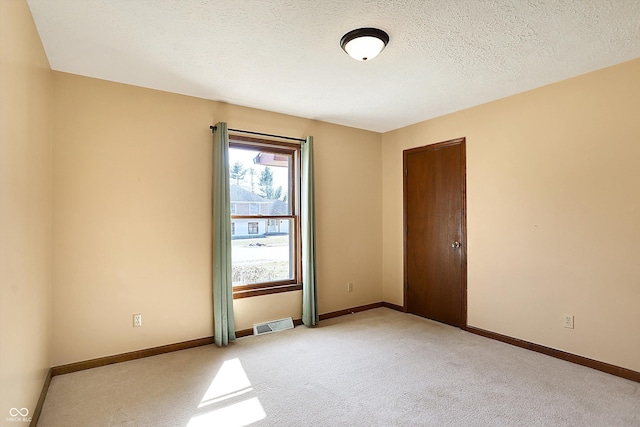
<point>435,232</point>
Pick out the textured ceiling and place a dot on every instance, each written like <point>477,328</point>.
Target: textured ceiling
<point>284,55</point>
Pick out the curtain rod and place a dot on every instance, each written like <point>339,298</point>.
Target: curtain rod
<point>213,129</point>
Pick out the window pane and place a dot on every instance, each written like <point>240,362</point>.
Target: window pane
<point>252,228</point>
<point>265,257</point>
<point>260,182</point>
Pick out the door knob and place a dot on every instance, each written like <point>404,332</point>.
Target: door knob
<point>455,245</point>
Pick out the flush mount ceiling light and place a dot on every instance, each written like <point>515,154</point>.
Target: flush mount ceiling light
<point>364,44</point>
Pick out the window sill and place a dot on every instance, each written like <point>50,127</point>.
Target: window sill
<point>267,290</point>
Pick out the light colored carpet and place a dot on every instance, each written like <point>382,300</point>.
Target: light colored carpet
<point>374,368</point>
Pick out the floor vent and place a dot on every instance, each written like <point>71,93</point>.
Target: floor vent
<point>272,326</point>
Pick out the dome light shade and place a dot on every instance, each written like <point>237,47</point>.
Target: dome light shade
<point>364,44</point>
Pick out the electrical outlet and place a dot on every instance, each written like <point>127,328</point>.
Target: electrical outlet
<point>568,321</point>
<point>137,320</point>
<point>349,287</point>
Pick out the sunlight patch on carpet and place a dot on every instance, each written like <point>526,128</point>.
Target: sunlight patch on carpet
<point>239,414</point>
<point>229,384</point>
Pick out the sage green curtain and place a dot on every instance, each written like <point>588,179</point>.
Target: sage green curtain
<point>223,323</point>
<point>309,296</point>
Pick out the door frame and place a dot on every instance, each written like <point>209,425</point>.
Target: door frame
<point>463,278</point>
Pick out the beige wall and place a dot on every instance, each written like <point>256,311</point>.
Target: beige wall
<point>553,208</point>
<point>25,210</point>
<point>132,183</point>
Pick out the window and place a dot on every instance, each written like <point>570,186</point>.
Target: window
<point>233,228</point>
<point>253,228</point>
<point>265,246</point>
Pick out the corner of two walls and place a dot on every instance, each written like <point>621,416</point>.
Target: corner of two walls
<point>552,212</point>
<point>25,211</point>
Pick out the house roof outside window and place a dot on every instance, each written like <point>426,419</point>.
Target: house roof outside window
<point>240,195</point>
